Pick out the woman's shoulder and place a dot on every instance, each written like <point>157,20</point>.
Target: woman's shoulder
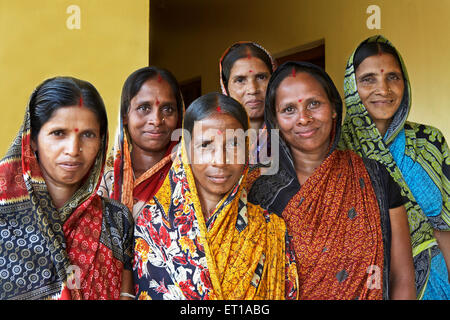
<point>424,131</point>
<point>115,210</point>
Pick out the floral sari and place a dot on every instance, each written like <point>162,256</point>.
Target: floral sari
<point>240,252</point>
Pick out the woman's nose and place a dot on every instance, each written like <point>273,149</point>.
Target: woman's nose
<point>73,146</point>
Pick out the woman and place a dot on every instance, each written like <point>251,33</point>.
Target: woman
<point>245,69</point>
<point>59,239</point>
<point>199,237</point>
<point>351,240</point>
<point>151,109</point>
<point>378,99</point>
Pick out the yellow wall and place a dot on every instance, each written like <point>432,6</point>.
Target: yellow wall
<point>36,44</point>
<point>190,36</point>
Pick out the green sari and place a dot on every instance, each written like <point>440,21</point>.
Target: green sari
<point>417,158</point>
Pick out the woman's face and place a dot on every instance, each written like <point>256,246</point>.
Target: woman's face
<point>152,116</point>
<point>380,85</point>
<point>304,114</point>
<point>215,155</point>
<point>248,83</point>
<point>67,145</point>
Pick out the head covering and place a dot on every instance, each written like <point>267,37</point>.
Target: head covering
<point>119,183</point>
<point>415,155</point>
<point>49,253</point>
<point>338,229</point>
<point>239,253</point>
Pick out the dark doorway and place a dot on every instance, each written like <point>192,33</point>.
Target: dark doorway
<point>313,53</point>
<point>191,90</point>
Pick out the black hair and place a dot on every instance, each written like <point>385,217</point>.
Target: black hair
<point>369,49</point>
<point>210,103</point>
<point>135,81</point>
<point>239,51</point>
<point>60,92</point>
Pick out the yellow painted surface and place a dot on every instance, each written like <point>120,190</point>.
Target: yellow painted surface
<point>35,44</point>
<point>190,36</point>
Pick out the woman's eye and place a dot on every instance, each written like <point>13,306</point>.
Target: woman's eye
<point>393,77</point>
<point>239,79</point>
<point>368,80</point>
<point>233,143</point>
<point>57,133</point>
<point>89,134</point>
<point>144,108</point>
<point>288,109</point>
<point>261,76</point>
<point>314,104</point>
<point>168,109</point>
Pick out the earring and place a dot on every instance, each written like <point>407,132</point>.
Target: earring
<point>81,149</point>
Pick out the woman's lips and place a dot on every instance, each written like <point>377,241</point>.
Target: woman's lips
<point>154,134</point>
<point>255,103</point>
<point>306,133</point>
<point>386,102</point>
<point>71,166</point>
<point>220,179</point>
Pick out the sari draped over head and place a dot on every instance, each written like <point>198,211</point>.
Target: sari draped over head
<point>75,252</point>
<point>240,252</point>
<point>417,158</point>
<point>261,145</point>
<point>119,182</point>
<point>338,218</point>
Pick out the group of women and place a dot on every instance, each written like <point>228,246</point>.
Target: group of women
<point>358,208</point>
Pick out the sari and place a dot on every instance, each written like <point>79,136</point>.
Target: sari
<point>240,252</point>
<point>260,142</point>
<point>75,252</point>
<point>119,182</point>
<point>339,218</point>
<point>417,158</point>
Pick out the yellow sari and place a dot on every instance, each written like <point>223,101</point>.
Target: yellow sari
<point>240,252</point>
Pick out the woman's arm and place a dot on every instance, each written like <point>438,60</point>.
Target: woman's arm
<point>402,274</point>
<point>443,239</point>
<point>126,290</point>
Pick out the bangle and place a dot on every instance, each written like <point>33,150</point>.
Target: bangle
<point>126,294</point>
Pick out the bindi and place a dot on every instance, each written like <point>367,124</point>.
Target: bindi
<point>293,72</point>
<point>157,102</point>
<point>159,78</point>
<point>300,100</point>
<point>76,130</point>
<point>219,109</point>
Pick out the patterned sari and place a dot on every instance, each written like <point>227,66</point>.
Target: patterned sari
<point>339,218</point>
<point>75,252</point>
<point>239,253</point>
<point>119,182</point>
<point>261,146</point>
<point>417,158</point>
